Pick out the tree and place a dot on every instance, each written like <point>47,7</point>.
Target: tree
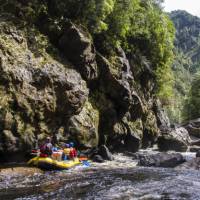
<point>192,105</point>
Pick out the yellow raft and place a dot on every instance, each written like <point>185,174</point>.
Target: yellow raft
<point>50,164</point>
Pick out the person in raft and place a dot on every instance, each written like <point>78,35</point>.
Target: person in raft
<point>66,152</point>
<point>73,152</point>
<point>46,148</point>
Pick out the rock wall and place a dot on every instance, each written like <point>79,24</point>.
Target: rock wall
<point>71,92</point>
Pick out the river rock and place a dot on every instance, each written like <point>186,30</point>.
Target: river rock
<point>175,139</point>
<point>160,159</point>
<point>98,158</point>
<point>104,152</point>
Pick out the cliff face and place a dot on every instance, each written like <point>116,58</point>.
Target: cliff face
<point>72,92</point>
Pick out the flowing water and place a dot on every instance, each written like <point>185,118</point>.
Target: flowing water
<point>119,179</point>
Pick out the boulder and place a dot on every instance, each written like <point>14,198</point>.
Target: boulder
<point>98,158</point>
<point>175,139</point>
<point>160,159</point>
<point>104,152</point>
<point>76,44</point>
<point>100,154</point>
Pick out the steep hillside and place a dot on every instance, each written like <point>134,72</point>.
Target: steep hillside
<point>187,61</point>
<point>187,39</point>
<point>83,72</point>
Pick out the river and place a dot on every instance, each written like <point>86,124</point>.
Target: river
<point>120,179</point>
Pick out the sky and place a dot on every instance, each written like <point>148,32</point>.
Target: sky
<point>191,6</point>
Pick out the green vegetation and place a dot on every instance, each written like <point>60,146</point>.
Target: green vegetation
<point>186,64</point>
<point>192,105</point>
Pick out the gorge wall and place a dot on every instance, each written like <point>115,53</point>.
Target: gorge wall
<point>60,84</point>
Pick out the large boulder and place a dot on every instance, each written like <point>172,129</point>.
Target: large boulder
<point>104,152</point>
<point>160,159</point>
<point>76,44</point>
<point>176,139</point>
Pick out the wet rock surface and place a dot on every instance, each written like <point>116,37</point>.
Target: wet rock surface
<point>159,159</point>
<point>101,154</point>
<point>176,139</point>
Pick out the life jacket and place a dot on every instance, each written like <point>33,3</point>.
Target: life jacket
<point>43,148</point>
<point>67,151</point>
<point>73,153</point>
<point>46,149</point>
<point>43,155</point>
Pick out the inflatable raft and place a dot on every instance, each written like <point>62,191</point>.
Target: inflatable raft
<point>51,164</point>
